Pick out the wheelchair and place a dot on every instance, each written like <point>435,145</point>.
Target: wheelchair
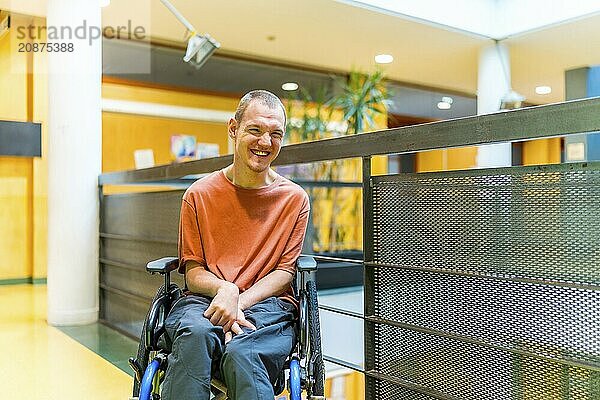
<point>305,363</point>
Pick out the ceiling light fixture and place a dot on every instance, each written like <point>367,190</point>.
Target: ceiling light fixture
<point>384,58</point>
<point>199,47</point>
<point>442,105</point>
<point>447,99</point>
<point>289,86</point>
<point>543,90</point>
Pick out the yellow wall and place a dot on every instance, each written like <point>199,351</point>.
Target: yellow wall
<point>122,91</point>
<point>16,217</point>
<point>447,159</point>
<point>13,80</point>
<point>541,151</point>
<point>40,168</point>
<point>535,152</point>
<point>20,177</point>
<point>122,134</point>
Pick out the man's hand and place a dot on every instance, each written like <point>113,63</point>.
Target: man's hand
<point>236,326</point>
<point>223,309</point>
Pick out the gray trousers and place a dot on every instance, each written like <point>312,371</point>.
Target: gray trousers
<point>248,365</point>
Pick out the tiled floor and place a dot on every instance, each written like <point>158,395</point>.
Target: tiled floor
<point>108,343</point>
<point>38,361</point>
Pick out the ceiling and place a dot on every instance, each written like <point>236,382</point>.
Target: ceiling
<point>331,35</point>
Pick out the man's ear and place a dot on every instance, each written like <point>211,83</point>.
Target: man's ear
<point>232,127</point>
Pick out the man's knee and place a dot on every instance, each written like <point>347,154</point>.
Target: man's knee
<point>198,333</point>
<point>191,334</point>
<point>239,352</point>
<point>252,353</point>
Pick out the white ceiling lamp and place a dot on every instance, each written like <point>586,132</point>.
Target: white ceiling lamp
<point>442,105</point>
<point>199,47</point>
<point>543,90</point>
<point>384,58</point>
<point>290,86</point>
<point>446,103</point>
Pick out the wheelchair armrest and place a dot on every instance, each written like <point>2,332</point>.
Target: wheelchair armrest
<point>163,265</point>
<point>306,264</point>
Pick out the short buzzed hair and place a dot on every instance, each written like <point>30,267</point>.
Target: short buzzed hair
<point>264,96</point>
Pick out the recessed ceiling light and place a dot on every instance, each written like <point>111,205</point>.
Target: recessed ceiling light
<point>289,86</point>
<point>442,105</point>
<point>447,99</point>
<point>543,90</point>
<point>384,58</point>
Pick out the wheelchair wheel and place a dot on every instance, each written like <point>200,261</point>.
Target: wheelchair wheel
<point>315,354</point>
<point>143,353</point>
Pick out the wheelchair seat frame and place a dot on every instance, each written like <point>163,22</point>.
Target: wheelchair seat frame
<point>305,362</point>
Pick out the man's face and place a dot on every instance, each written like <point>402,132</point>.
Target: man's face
<point>258,136</point>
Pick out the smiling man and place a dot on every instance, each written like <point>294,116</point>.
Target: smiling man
<point>241,230</point>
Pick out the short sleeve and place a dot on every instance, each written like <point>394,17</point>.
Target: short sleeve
<point>190,241</point>
<point>293,247</point>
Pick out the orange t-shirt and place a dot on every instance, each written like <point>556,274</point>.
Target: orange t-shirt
<point>239,234</point>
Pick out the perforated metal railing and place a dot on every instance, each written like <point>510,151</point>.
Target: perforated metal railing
<point>486,284</point>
